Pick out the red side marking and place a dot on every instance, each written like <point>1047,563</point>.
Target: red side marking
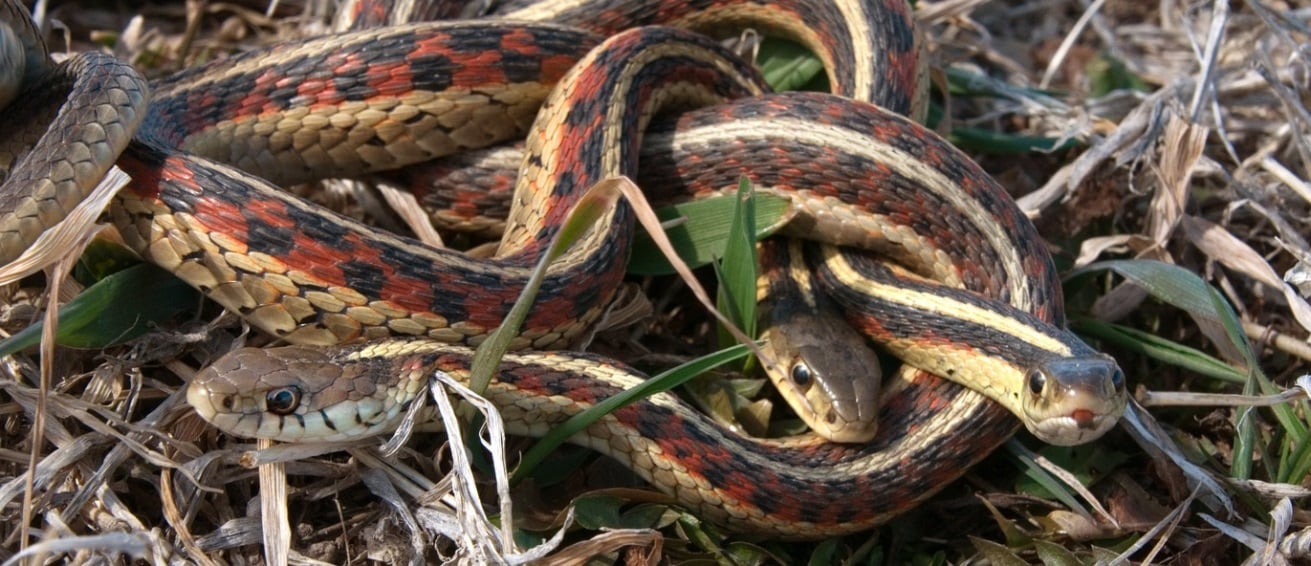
<point>837,112</point>
<point>176,178</point>
<point>366,14</point>
<point>937,404</point>
<point>555,66</point>
<point>305,255</point>
<point>486,307</point>
<point>477,69</point>
<point>609,22</point>
<point>587,86</point>
<point>390,79</point>
<point>223,217</point>
<point>256,102</point>
<point>271,212</point>
<point>524,379</point>
<point>197,121</point>
<point>900,8</point>
<point>412,364</point>
<point>412,294</point>
<point>886,130</point>
<point>321,91</point>
<point>519,41</point>
<point>671,11</point>
<point>318,92</point>
<point>437,43</point>
<point>712,463</point>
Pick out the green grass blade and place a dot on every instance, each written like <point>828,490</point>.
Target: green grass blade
<point>1181,288</point>
<point>1160,349</point>
<point>737,270</point>
<point>660,383</point>
<point>598,199</point>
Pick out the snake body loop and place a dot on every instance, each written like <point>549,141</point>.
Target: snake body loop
<point>55,154</point>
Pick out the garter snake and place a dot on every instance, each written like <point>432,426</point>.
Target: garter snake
<point>746,484</point>
<point>238,243</point>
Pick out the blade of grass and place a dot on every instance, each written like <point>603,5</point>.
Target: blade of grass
<point>737,270</point>
<point>1029,466</point>
<point>660,383</point>
<point>594,203</point>
<point>1160,349</point>
<point>1181,288</point>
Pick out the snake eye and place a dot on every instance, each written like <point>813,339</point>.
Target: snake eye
<point>1117,379</point>
<point>801,374</point>
<point>1037,381</point>
<point>283,400</point>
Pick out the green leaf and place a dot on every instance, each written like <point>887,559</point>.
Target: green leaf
<point>1107,74</point>
<point>737,269</point>
<point>115,309</point>
<point>741,553</point>
<point>789,66</point>
<point>1088,463</point>
<point>826,552</point>
<point>1052,554</point>
<point>962,82</point>
<point>595,512</point>
<point>1181,288</point>
<point>702,232</point>
<point>1169,283</point>
<point>997,554</point>
<point>563,464</point>
<point>102,258</point>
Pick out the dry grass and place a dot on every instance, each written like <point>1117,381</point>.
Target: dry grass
<point>1202,165</point>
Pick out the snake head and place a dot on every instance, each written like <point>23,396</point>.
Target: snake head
<point>1069,401</point>
<point>828,374</point>
<point>293,394</point>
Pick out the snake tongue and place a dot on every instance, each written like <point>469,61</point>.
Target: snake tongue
<point>1084,418</point>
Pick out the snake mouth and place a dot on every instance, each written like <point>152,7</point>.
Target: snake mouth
<point>853,432</point>
<point>1080,427</point>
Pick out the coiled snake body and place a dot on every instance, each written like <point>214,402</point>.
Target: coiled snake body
<point>315,278</point>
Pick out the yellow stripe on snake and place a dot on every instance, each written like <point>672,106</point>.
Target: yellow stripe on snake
<point>859,174</point>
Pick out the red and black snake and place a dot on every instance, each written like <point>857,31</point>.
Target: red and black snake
<point>379,99</point>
